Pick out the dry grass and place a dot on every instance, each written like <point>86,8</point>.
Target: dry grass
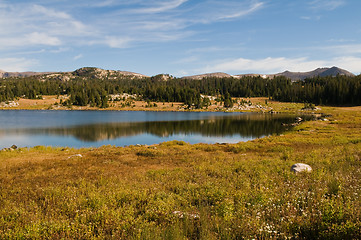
<point>53,102</point>
<point>243,190</point>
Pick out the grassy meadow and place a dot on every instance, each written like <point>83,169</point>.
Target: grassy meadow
<point>175,190</point>
<point>255,104</point>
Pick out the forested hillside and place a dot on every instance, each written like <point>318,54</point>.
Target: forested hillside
<point>89,87</point>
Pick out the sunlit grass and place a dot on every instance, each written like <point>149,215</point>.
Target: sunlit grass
<point>230,191</point>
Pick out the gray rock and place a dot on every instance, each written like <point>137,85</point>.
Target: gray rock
<point>301,167</point>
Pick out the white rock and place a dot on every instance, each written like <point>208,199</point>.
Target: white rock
<point>76,155</point>
<point>301,167</point>
<point>181,214</point>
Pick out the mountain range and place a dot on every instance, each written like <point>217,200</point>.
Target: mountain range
<point>294,76</point>
<point>322,72</point>
<point>97,72</point>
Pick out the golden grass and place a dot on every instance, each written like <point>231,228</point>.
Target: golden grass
<point>53,103</point>
<point>236,191</point>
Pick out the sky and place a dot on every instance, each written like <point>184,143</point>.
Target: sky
<point>180,37</point>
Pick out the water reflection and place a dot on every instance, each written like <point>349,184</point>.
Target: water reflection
<point>230,125</point>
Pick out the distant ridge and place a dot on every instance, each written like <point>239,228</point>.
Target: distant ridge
<point>201,76</point>
<point>4,74</point>
<point>322,72</point>
<point>94,72</point>
<point>88,71</point>
<point>85,71</point>
<point>294,76</point>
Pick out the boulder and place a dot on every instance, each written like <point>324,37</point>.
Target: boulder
<point>75,156</point>
<point>301,167</point>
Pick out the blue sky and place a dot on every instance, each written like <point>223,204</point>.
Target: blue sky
<point>180,37</point>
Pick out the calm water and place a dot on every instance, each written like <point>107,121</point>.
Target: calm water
<point>96,128</point>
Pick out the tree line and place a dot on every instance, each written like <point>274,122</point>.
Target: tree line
<point>89,90</point>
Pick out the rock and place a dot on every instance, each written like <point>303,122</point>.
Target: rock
<point>299,119</point>
<point>301,167</point>
<point>76,155</point>
<point>12,148</point>
<point>181,214</point>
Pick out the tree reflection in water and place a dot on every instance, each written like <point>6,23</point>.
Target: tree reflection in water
<point>244,125</point>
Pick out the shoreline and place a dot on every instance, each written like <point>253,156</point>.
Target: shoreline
<point>257,104</point>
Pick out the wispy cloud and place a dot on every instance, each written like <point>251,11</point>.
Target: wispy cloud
<point>252,8</point>
<point>24,25</point>
<point>341,49</point>
<point>190,59</point>
<point>311,18</point>
<point>212,11</point>
<point>60,50</point>
<point>78,57</point>
<point>117,42</point>
<point>60,25</point>
<point>135,21</point>
<point>37,38</point>
<point>106,3</point>
<point>160,6</point>
<point>17,64</point>
<point>265,65</point>
<point>326,4</point>
<point>38,9</point>
<point>274,65</point>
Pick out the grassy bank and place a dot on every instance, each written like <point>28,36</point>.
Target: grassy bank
<point>259,104</point>
<point>179,191</point>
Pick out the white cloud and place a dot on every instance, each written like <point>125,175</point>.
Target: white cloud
<point>252,8</point>
<point>132,21</point>
<point>25,25</point>
<point>352,64</point>
<point>60,50</point>
<point>163,26</point>
<point>106,3</point>
<point>143,25</point>
<point>78,57</point>
<point>37,9</point>
<point>326,4</point>
<point>211,11</point>
<point>17,64</point>
<point>42,39</point>
<point>161,7</point>
<point>30,39</point>
<point>311,18</point>
<point>343,49</point>
<point>116,42</point>
<point>274,65</point>
<point>190,59</point>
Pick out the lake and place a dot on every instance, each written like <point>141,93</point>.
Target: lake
<point>28,128</point>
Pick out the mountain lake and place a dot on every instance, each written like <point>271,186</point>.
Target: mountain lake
<point>29,128</point>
